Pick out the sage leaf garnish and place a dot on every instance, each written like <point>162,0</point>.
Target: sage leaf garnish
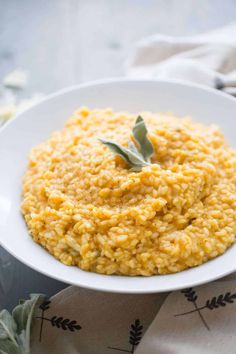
<point>140,134</point>
<point>15,328</point>
<point>133,148</point>
<point>136,158</point>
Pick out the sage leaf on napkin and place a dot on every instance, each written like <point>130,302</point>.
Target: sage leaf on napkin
<point>8,347</point>
<point>134,157</point>
<point>15,328</point>
<point>7,326</point>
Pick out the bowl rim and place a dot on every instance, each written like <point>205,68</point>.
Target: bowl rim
<point>113,80</point>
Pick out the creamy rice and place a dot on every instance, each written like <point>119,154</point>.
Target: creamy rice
<point>84,205</point>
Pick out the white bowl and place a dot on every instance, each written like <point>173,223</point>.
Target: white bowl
<point>35,125</point>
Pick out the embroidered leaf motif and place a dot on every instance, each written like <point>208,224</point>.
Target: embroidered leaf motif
<point>65,324</point>
<point>135,336</point>
<point>190,294</point>
<point>135,333</point>
<point>45,305</point>
<point>211,304</point>
<point>220,301</point>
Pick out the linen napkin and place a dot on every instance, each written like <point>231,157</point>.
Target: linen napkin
<point>195,320</point>
<point>89,322</point>
<point>208,59</point>
<point>200,320</point>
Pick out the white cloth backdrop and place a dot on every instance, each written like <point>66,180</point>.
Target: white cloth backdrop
<point>207,59</point>
<point>89,322</point>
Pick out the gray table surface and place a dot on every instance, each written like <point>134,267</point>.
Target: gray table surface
<point>65,42</point>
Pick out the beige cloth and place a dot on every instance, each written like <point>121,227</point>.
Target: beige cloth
<point>113,323</point>
<point>108,320</point>
<point>211,330</point>
<point>207,59</point>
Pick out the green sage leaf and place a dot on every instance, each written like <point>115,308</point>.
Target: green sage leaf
<point>131,156</point>
<point>133,148</point>
<point>7,326</point>
<point>23,316</point>
<point>15,329</point>
<point>134,157</point>
<point>8,347</point>
<point>116,148</point>
<point>140,134</point>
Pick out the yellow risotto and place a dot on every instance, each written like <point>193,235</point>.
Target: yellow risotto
<point>84,205</point>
